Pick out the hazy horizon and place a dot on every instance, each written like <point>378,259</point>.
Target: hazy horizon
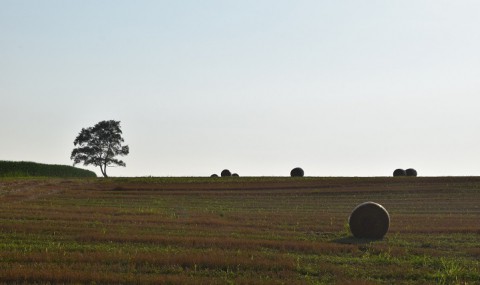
<point>339,88</point>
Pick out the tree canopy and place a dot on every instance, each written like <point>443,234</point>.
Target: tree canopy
<point>100,145</point>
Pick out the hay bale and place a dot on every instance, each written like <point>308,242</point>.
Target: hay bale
<point>226,173</point>
<point>399,172</point>
<point>235,175</point>
<point>411,172</point>
<point>369,220</point>
<point>297,172</point>
<point>214,175</point>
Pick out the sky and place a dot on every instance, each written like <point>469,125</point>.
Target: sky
<point>339,88</point>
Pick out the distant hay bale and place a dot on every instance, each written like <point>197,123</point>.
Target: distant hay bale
<point>399,172</point>
<point>214,175</point>
<point>411,172</point>
<point>226,173</point>
<point>235,175</point>
<point>369,220</point>
<point>297,172</point>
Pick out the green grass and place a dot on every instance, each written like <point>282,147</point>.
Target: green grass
<point>32,169</point>
<point>248,230</point>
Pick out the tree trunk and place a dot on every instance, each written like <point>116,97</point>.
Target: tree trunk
<point>103,170</point>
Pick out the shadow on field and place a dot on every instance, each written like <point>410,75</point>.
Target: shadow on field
<point>354,240</point>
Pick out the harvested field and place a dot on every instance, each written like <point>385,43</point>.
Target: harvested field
<point>237,231</point>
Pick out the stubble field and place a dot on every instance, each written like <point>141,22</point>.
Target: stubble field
<point>237,231</point>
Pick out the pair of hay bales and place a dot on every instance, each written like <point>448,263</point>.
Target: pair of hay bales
<point>401,172</point>
<point>226,173</point>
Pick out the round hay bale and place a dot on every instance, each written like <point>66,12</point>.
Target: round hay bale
<point>411,172</point>
<point>297,172</point>
<point>226,173</point>
<point>235,175</point>
<point>399,172</point>
<point>369,220</point>
<point>214,175</point>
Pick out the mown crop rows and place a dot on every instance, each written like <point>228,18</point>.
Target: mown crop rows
<point>237,230</point>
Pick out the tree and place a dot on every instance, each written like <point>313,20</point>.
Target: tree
<point>99,145</point>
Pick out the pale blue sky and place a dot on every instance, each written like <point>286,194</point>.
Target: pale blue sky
<point>339,88</point>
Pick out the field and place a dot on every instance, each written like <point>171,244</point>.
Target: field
<point>236,231</point>
<point>33,169</point>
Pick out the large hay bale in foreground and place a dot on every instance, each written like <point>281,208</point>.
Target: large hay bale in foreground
<point>369,220</point>
<point>297,172</point>
<point>411,172</point>
<point>226,173</point>
<point>399,172</point>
